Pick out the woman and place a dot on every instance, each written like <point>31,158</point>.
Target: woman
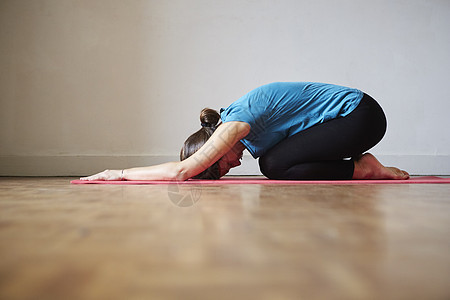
<point>298,130</point>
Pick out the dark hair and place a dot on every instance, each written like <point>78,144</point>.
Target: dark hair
<point>208,119</point>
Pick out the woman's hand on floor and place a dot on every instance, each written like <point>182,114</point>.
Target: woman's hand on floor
<point>106,175</point>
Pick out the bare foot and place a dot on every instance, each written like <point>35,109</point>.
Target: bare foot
<point>368,167</point>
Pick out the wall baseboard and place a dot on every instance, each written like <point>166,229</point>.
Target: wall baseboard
<point>85,165</point>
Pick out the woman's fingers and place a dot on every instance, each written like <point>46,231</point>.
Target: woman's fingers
<point>105,175</point>
<point>92,177</point>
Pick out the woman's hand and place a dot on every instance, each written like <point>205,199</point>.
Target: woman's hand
<point>106,175</point>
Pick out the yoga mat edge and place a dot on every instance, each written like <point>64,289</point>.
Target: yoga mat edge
<point>413,180</point>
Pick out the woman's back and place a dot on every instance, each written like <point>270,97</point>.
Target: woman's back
<point>279,110</point>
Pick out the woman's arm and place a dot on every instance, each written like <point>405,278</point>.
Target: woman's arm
<point>167,171</point>
<point>222,140</point>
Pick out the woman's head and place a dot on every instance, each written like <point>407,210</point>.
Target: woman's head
<point>209,119</point>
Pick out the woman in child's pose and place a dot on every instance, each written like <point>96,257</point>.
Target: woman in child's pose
<point>298,130</point>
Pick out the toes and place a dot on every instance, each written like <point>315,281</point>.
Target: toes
<point>402,174</point>
<point>397,173</point>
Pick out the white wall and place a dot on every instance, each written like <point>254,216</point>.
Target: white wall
<point>88,85</point>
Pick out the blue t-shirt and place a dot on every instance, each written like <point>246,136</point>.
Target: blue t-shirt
<point>279,110</point>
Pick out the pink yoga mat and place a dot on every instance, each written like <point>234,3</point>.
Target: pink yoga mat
<point>250,180</point>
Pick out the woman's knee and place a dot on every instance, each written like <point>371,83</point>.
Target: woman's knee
<point>269,167</point>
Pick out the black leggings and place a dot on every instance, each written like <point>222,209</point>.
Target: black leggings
<point>320,152</point>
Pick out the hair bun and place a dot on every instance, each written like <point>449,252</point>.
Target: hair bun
<point>209,117</point>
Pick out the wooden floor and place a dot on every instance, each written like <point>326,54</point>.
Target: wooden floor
<point>62,241</point>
